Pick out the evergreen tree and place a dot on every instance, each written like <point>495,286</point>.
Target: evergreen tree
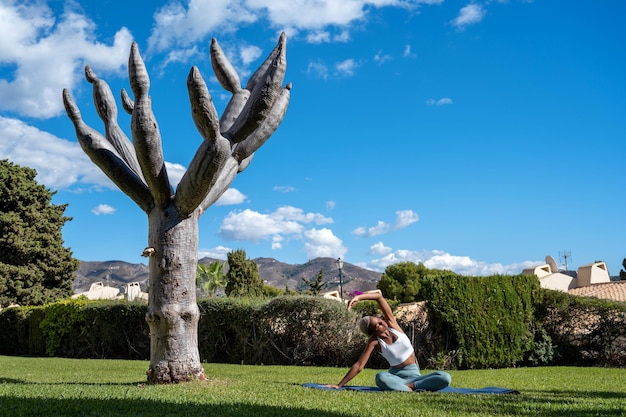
<point>622,273</point>
<point>35,268</point>
<point>243,276</point>
<point>401,281</point>
<point>316,285</point>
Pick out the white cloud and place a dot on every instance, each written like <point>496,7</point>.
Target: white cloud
<point>174,172</point>
<point>103,209</point>
<point>60,164</point>
<point>249,54</point>
<point>330,205</point>
<point>230,197</point>
<point>321,36</point>
<point>317,70</point>
<point>177,25</point>
<point>249,225</point>
<point>219,252</point>
<point>440,102</point>
<point>284,188</point>
<point>381,58</point>
<point>407,52</point>
<point>293,213</point>
<point>405,218</point>
<point>437,259</point>
<point>346,67</point>
<point>323,243</point>
<point>469,15</point>
<point>379,249</point>
<point>32,41</point>
<point>380,228</point>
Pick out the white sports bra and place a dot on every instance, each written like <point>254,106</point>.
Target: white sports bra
<point>398,351</point>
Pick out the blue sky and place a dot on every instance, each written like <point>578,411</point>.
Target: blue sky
<point>476,136</point>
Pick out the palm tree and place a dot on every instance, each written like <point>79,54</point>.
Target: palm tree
<point>211,277</point>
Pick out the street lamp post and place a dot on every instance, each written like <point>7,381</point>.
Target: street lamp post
<point>339,263</point>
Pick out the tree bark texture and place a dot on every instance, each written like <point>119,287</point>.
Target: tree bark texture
<point>172,309</point>
<point>137,167</point>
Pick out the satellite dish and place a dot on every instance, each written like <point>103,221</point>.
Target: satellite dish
<point>550,261</point>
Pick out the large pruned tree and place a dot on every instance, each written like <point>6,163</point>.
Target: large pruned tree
<point>35,268</point>
<point>138,169</point>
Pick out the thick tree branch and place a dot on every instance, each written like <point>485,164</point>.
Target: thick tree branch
<point>225,178</point>
<point>262,97</point>
<point>260,72</point>
<point>223,69</point>
<point>267,127</point>
<point>202,108</point>
<point>209,160</point>
<point>104,155</point>
<point>146,136</point>
<point>228,78</point>
<point>107,110</point>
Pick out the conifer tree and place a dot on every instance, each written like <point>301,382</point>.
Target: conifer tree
<point>35,268</point>
<point>243,276</point>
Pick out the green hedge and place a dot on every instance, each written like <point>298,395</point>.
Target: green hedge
<point>481,322</point>
<point>293,330</point>
<point>473,322</point>
<point>584,331</point>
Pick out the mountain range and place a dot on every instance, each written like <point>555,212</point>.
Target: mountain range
<point>272,272</point>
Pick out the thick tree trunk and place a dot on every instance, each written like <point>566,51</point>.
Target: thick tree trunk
<point>173,312</point>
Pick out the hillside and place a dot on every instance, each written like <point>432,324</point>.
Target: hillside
<point>273,272</point>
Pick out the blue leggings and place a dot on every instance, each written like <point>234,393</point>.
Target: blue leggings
<point>396,379</point>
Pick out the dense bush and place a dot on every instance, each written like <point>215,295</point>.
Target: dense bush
<point>583,331</point>
<point>285,330</point>
<point>226,331</point>
<point>297,330</point>
<point>308,331</point>
<point>471,323</point>
<point>481,322</point>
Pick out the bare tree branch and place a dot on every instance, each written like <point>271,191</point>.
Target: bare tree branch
<point>267,127</point>
<point>259,74</point>
<point>262,97</point>
<point>223,69</point>
<point>202,108</point>
<point>209,160</point>
<point>107,110</point>
<point>127,103</point>
<point>104,155</point>
<point>146,136</point>
<point>225,178</point>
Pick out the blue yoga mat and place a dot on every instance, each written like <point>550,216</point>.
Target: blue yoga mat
<point>485,390</point>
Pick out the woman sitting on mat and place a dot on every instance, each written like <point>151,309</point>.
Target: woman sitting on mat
<point>386,337</point>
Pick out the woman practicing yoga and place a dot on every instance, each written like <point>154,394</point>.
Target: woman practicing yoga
<point>386,337</point>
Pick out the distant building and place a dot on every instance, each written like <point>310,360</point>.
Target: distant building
<point>591,280</point>
<point>98,291</point>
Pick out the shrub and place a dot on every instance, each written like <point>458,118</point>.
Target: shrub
<point>480,322</point>
<point>62,322</point>
<point>308,330</point>
<point>584,331</point>
<point>226,331</point>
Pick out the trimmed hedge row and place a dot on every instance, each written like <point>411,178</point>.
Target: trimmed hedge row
<point>497,321</point>
<point>292,330</point>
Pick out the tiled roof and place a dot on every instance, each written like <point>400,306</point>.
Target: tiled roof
<point>615,291</point>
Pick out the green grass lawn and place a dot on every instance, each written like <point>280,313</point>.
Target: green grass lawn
<point>72,387</point>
